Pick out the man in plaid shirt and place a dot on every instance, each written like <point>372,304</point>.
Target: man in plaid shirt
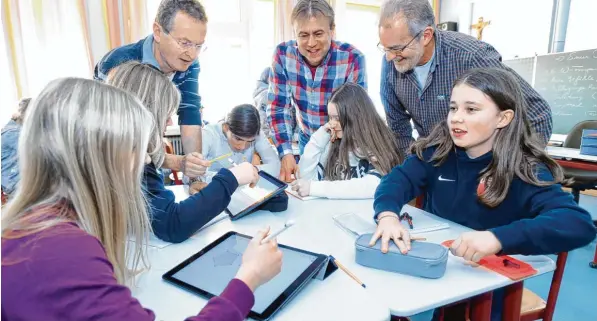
<point>421,65</point>
<point>304,74</point>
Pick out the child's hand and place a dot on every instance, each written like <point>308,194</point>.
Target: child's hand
<point>473,246</point>
<point>302,187</point>
<point>329,128</point>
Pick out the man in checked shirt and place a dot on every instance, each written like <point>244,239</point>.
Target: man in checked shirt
<point>423,62</point>
<point>304,74</point>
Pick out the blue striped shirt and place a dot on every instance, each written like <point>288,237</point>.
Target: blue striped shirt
<point>455,53</point>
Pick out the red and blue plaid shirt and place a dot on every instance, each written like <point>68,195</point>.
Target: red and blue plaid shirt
<point>291,85</point>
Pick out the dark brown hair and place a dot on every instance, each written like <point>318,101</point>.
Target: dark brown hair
<point>364,133</point>
<point>516,149</point>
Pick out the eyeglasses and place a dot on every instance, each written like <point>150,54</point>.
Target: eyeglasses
<point>186,45</point>
<point>395,50</point>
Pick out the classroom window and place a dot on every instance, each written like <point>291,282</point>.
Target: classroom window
<point>515,32</point>
<point>240,44</point>
<point>579,35</point>
<point>359,28</point>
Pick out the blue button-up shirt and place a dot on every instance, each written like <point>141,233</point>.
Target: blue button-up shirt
<point>455,53</point>
<point>186,81</point>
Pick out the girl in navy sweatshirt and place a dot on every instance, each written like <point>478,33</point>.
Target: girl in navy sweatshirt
<point>483,168</point>
<point>174,221</point>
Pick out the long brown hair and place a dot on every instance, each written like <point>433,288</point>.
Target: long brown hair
<point>516,149</point>
<point>364,133</point>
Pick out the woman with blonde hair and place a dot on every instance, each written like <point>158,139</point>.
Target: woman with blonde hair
<point>64,234</point>
<point>174,221</point>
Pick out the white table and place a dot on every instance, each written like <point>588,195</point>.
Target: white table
<point>569,153</point>
<point>338,297</point>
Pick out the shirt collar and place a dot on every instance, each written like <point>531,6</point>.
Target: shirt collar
<point>148,57</point>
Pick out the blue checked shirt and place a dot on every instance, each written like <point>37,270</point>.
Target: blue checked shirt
<point>455,53</point>
<point>292,85</point>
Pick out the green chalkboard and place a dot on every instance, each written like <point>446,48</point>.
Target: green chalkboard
<point>568,81</point>
<point>523,67</point>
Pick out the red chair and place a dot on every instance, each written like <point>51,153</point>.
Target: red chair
<point>520,304</point>
<point>170,150</point>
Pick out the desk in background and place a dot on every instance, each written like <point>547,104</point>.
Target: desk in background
<point>338,297</point>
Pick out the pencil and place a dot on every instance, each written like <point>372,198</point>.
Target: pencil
<point>219,158</point>
<point>343,268</point>
<point>418,238</point>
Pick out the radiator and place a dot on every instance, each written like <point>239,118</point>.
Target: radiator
<point>176,144</point>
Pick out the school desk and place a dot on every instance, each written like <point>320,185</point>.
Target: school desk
<point>338,297</point>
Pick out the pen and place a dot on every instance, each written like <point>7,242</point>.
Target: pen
<point>232,161</point>
<point>343,268</point>
<point>219,158</point>
<point>273,235</point>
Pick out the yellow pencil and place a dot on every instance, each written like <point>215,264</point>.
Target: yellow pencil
<point>343,268</point>
<point>219,158</point>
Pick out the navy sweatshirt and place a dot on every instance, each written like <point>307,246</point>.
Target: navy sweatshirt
<point>175,222</point>
<point>531,220</point>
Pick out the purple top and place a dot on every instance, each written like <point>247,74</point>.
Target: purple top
<point>63,273</point>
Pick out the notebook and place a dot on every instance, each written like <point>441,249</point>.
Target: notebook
<point>422,222</point>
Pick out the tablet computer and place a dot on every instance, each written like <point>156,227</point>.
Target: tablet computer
<point>245,199</point>
<point>208,272</point>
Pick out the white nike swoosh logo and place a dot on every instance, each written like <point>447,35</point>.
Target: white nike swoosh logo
<point>445,179</point>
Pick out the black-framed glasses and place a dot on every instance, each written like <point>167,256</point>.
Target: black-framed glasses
<point>186,45</point>
<point>399,50</point>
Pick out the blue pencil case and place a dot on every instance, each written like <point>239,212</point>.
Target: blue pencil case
<point>426,260</point>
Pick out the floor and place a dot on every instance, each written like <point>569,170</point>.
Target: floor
<point>578,294</point>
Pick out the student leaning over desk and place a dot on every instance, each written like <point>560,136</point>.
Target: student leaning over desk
<point>65,254</point>
<point>239,136</point>
<point>483,168</point>
<point>174,221</point>
<point>346,158</point>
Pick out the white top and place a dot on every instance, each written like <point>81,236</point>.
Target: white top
<point>364,177</point>
<point>215,144</point>
<point>569,153</point>
<point>338,297</point>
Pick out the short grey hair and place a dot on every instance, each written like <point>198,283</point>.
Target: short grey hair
<point>418,14</point>
<point>311,8</point>
<point>169,8</point>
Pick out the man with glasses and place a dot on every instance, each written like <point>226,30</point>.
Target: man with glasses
<point>423,62</point>
<point>177,40</point>
<point>304,74</point>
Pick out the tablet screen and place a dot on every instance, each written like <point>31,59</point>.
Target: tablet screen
<point>244,197</point>
<point>212,271</point>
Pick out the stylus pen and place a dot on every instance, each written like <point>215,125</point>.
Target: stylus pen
<point>219,158</point>
<point>343,268</point>
<point>278,232</point>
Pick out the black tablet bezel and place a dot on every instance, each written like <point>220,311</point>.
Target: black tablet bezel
<point>287,294</point>
<point>281,188</point>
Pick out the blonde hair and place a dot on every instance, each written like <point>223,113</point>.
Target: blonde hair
<point>159,95</point>
<point>81,155</point>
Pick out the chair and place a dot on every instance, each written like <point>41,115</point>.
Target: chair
<point>170,150</point>
<point>4,198</point>
<point>583,179</point>
<point>521,304</point>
